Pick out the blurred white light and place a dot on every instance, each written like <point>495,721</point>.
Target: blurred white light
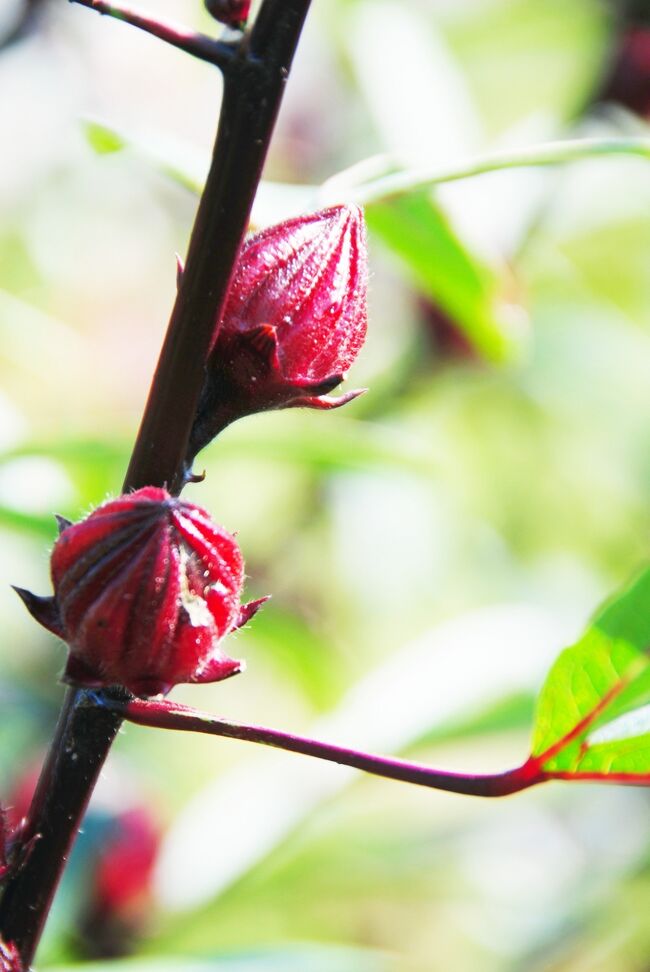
<point>35,485</point>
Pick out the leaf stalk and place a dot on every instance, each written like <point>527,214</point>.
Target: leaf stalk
<point>163,714</point>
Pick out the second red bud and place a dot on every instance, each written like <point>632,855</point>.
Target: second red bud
<point>294,321</point>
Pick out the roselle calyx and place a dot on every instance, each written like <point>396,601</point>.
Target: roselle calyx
<point>119,897</point>
<point>145,588</point>
<point>294,321</point>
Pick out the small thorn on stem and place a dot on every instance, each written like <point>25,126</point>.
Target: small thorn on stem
<point>180,268</point>
<point>193,477</point>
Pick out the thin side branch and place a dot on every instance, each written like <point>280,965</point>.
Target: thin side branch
<point>162,714</point>
<point>198,45</point>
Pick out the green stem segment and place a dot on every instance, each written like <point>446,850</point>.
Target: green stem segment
<point>255,72</point>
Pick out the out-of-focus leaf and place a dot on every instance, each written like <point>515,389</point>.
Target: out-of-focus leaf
<point>416,230</point>
<point>32,523</point>
<point>95,467</point>
<point>103,139</point>
<point>298,652</point>
<point>593,715</point>
<point>297,958</point>
<point>348,444</point>
<point>506,648</point>
<point>521,56</point>
<point>188,167</point>
<point>72,450</point>
<point>422,108</point>
<point>182,163</point>
<point>294,437</point>
<point>426,83</point>
<point>510,713</point>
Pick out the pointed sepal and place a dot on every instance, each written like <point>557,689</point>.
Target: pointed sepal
<point>219,667</point>
<point>62,522</point>
<point>45,610</point>
<point>248,611</point>
<point>321,387</point>
<point>326,402</point>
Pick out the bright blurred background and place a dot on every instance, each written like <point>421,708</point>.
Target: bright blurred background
<point>429,548</point>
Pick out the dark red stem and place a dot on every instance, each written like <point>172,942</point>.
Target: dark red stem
<point>162,714</point>
<point>255,77</point>
<point>81,742</point>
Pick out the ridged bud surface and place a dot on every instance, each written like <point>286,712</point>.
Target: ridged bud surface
<point>145,588</point>
<point>294,321</point>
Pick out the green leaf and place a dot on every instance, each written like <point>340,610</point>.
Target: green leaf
<point>187,166</point>
<point>102,139</point>
<point>511,713</point>
<point>182,163</point>
<point>96,465</point>
<point>40,526</point>
<point>400,703</point>
<point>416,230</point>
<point>298,652</point>
<point>348,444</point>
<point>592,718</point>
<point>291,958</point>
<point>523,57</point>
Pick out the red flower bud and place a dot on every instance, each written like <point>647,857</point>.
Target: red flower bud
<point>119,899</point>
<point>294,321</point>
<point>234,13</point>
<point>145,588</point>
<point>124,869</point>
<point>628,82</point>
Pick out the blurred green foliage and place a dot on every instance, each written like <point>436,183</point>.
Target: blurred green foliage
<point>428,549</point>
